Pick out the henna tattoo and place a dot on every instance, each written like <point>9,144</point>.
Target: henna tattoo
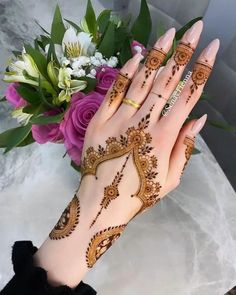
<point>182,56</point>
<point>111,192</point>
<point>101,242</point>
<point>201,72</point>
<point>68,221</point>
<point>119,87</point>
<point>153,62</point>
<point>189,142</point>
<point>137,142</point>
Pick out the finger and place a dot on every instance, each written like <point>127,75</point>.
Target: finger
<point>144,79</point>
<point>119,87</point>
<point>182,151</point>
<point>168,79</point>
<point>191,92</point>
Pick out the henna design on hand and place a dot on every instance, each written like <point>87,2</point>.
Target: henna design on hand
<point>137,142</point>
<point>182,56</point>
<point>153,62</point>
<point>101,242</point>
<point>119,87</point>
<point>68,221</point>
<point>189,142</point>
<point>201,72</point>
<point>111,192</point>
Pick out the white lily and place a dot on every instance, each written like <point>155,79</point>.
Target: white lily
<point>68,85</point>
<point>23,70</point>
<point>21,117</point>
<point>75,44</point>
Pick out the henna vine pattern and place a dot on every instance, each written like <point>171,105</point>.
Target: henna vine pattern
<point>201,72</point>
<point>182,56</point>
<point>189,142</point>
<point>101,241</point>
<point>111,192</point>
<point>153,62</point>
<point>137,142</point>
<point>119,87</point>
<point>68,221</point>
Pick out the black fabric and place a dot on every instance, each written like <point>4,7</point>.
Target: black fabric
<point>32,280</point>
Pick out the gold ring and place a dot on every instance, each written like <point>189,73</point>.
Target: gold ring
<point>159,95</point>
<point>131,103</point>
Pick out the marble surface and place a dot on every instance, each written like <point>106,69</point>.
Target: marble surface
<point>184,246</point>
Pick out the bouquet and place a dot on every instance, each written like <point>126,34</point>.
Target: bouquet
<point>57,84</point>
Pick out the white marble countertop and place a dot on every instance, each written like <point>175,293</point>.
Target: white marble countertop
<point>184,246</point>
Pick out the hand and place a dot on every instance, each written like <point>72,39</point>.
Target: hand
<point>133,154</point>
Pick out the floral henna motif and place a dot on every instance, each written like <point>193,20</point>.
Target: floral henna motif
<point>119,87</point>
<point>153,62</point>
<point>201,72</point>
<point>189,142</point>
<point>137,142</point>
<point>182,56</point>
<point>111,192</point>
<point>68,221</point>
<point>102,241</point>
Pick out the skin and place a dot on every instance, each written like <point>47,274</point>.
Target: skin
<point>65,259</point>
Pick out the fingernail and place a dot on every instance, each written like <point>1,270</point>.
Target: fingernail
<point>192,35</point>
<point>166,40</point>
<point>198,125</point>
<point>210,51</point>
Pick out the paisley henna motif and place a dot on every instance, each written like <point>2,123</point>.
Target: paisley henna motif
<point>201,72</point>
<point>189,142</point>
<point>102,241</point>
<point>119,88</point>
<point>68,221</point>
<point>137,143</point>
<point>182,56</point>
<point>153,62</point>
<point>111,192</point>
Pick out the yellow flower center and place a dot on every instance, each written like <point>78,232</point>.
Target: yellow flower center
<point>73,49</point>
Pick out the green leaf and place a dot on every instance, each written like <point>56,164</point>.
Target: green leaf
<point>42,120</point>
<point>222,125</point>
<point>29,94</point>
<point>43,97</point>
<point>3,99</point>
<point>91,84</point>
<point>39,59</point>
<point>205,96</point>
<point>58,29</point>
<point>106,46</point>
<point>51,53</point>
<point>78,29</point>
<point>103,20</point>
<point>142,26</point>
<point>90,18</point>
<point>160,29</point>
<point>13,137</point>
<point>125,53</point>
<point>27,141</point>
<point>196,151</point>
<point>34,109</point>
<point>46,32</point>
<point>75,166</point>
<point>180,32</point>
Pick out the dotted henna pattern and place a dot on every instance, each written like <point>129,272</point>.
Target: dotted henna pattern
<point>137,143</point>
<point>189,142</point>
<point>101,241</point>
<point>153,62</point>
<point>201,72</point>
<point>182,56</point>
<point>68,221</point>
<point>119,87</point>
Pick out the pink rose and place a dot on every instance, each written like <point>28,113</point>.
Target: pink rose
<point>76,120</point>
<point>105,77</point>
<point>13,97</point>
<point>138,47</point>
<point>48,132</point>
